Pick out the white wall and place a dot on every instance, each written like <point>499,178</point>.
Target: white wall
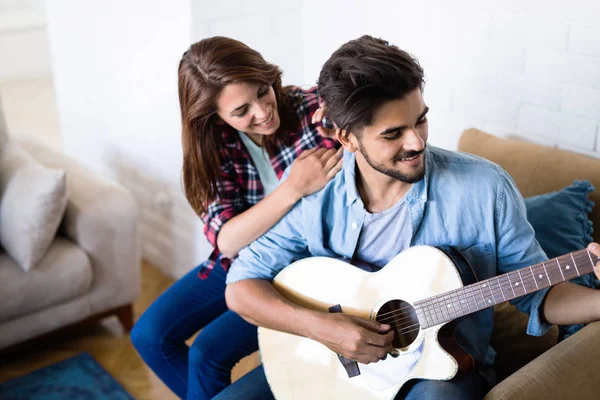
<point>26,87</point>
<point>115,69</point>
<point>23,41</point>
<point>524,67</point>
<point>272,27</point>
<point>507,66</point>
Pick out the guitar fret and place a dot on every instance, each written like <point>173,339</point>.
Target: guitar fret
<point>482,296</point>
<point>575,264</point>
<point>474,299</point>
<point>443,310</point>
<point>447,305</point>
<point>467,302</point>
<point>517,284</point>
<point>438,310</point>
<point>434,312</point>
<point>427,316</point>
<point>462,310</point>
<point>498,297</point>
<point>538,275</point>
<point>511,285</point>
<point>546,271</point>
<point>556,278</point>
<point>491,291</point>
<point>534,280</point>
<point>522,284</point>
<point>456,305</point>
<point>560,269</point>
<point>590,256</point>
<point>500,286</point>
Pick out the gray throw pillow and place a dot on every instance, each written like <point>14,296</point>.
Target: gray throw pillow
<point>32,206</point>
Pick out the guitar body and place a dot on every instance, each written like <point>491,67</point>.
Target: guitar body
<point>298,368</point>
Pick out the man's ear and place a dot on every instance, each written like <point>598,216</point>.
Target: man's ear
<point>347,139</point>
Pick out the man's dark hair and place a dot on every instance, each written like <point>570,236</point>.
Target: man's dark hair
<point>362,75</point>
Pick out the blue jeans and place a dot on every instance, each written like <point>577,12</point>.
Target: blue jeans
<point>254,386</point>
<point>204,369</point>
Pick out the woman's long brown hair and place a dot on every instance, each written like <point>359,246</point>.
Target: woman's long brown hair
<point>204,70</point>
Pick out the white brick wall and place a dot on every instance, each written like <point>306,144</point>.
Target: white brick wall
<point>584,39</point>
<point>529,68</point>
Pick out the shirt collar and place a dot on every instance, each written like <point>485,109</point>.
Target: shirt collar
<point>349,166</point>
<point>418,191</point>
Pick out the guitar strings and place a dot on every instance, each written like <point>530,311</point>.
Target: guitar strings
<point>471,289</point>
<point>476,287</point>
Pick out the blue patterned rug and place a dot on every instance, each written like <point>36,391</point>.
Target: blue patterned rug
<point>75,378</point>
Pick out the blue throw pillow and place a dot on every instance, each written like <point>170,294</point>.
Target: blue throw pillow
<point>560,219</point>
<point>561,224</point>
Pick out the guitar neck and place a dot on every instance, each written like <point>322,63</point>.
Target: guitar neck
<point>469,299</point>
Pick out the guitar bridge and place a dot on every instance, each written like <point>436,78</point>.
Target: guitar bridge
<point>350,366</point>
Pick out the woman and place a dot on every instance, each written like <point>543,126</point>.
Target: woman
<point>241,130</point>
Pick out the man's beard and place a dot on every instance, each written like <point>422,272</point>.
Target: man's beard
<point>406,178</point>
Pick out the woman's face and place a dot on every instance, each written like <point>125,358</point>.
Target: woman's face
<point>250,108</point>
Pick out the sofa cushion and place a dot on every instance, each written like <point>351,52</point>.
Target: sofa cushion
<point>33,203</point>
<point>65,272</point>
<point>560,219</point>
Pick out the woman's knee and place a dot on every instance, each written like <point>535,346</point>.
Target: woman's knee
<point>147,333</point>
<point>141,336</point>
<point>203,354</point>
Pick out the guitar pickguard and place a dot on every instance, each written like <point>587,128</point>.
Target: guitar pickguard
<point>386,373</point>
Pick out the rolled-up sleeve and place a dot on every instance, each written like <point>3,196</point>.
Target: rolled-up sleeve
<point>275,250</point>
<point>517,248</point>
<point>226,206</point>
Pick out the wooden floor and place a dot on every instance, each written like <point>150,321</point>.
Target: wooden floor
<point>109,346</point>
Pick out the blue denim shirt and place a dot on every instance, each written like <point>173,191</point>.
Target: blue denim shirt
<point>463,201</point>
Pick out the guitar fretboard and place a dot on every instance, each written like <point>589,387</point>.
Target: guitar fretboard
<point>478,296</point>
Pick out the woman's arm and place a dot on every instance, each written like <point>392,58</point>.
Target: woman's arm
<point>310,172</point>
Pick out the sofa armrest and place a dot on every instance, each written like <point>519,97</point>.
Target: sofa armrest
<point>566,371</point>
<point>101,217</point>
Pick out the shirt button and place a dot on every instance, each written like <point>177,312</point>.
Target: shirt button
<point>354,225</point>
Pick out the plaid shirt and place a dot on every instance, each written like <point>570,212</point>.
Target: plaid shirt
<point>240,184</point>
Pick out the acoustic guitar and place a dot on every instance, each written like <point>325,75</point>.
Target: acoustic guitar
<point>417,293</point>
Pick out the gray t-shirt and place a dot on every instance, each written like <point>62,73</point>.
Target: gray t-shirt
<point>384,235</point>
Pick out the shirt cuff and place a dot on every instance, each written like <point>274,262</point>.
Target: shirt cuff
<point>537,326</point>
<point>239,272</point>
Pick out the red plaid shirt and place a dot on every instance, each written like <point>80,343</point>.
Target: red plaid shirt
<point>241,185</point>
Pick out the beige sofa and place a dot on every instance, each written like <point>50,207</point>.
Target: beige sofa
<point>543,370</point>
<point>92,268</point>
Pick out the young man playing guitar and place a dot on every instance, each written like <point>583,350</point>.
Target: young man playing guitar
<point>396,192</point>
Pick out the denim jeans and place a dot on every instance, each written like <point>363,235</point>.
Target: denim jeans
<point>254,386</point>
<point>204,369</point>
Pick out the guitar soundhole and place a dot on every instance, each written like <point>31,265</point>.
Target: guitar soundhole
<point>401,316</point>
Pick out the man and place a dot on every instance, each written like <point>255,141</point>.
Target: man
<point>395,192</point>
